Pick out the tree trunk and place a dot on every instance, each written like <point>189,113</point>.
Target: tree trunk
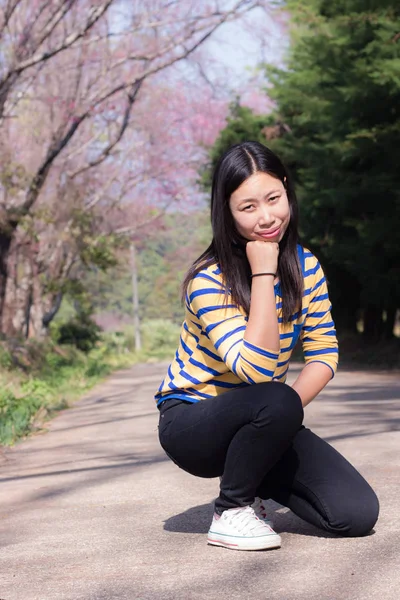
<point>345,296</point>
<point>388,328</point>
<point>24,306</point>
<point>345,319</point>
<point>15,316</point>
<point>36,312</point>
<point>135,297</point>
<point>5,243</point>
<point>373,323</point>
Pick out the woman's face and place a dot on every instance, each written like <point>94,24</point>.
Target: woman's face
<point>260,208</point>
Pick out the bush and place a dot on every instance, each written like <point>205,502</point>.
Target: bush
<point>120,342</point>
<point>6,361</point>
<point>81,332</point>
<point>15,415</point>
<point>160,338</point>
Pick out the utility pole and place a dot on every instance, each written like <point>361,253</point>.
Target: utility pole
<point>135,294</point>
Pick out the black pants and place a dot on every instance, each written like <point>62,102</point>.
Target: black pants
<point>253,437</point>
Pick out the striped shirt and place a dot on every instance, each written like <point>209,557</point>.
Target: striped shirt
<point>212,356</point>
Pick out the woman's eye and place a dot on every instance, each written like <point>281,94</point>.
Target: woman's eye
<point>272,198</point>
<point>248,207</point>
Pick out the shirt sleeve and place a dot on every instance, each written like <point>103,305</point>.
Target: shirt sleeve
<point>318,333</point>
<point>224,324</point>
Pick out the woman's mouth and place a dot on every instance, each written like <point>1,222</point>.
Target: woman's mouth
<point>270,234</point>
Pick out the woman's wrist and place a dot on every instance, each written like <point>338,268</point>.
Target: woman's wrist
<point>263,274</point>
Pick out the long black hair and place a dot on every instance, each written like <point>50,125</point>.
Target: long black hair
<point>228,247</point>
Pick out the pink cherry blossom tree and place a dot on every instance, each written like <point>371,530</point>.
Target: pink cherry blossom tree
<point>93,131</point>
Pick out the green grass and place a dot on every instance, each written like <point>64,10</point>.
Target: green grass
<point>36,380</point>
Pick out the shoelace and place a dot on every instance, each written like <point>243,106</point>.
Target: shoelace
<point>262,509</point>
<point>246,521</point>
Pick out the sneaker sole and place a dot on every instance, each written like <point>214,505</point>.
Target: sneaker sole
<point>275,542</point>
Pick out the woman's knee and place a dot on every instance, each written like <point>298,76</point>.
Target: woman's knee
<point>281,402</point>
<point>356,517</point>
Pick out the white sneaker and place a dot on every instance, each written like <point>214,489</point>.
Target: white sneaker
<point>259,508</point>
<point>240,529</point>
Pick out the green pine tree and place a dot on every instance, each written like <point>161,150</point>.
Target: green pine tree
<point>339,100</point>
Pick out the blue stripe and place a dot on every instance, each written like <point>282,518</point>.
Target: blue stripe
<point>311,271</point>
<point>259,369</point>
<point>217,271</point>
<point>189,377</point>
<point>228,335</point>
<point>234,365</point>
<point>190,310</point>
<point>223,384</point>
<point>333,332</point>
<point>318,298</point>
<point>308,339</point>
<point>320,326</point>
<point>203,292</point>
<point>318,284</point>
<point>196,324</point>
<point>178,396</point>
<point>324,363</point>
<point>324,351</point>
<point>226,354</point>
<point>283,363</point>
<point>208,309</point>
<point>189,332</point>
<point>308,254</point>
<point>260,350</point>
<point>203,367</point>
<point>170,373</point>
<point>318,315</point>
<point>281,376</point>
<point>248,376</point>
<point>203,275</point>
<point>214,325</point>
<point>178,360</point>
<point>209,353</point>
<point>300,252</point>
<point>185,347</point>
<point>295,316</point>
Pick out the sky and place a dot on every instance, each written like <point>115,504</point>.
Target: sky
<point>242,46</point>
<point>232,54</point>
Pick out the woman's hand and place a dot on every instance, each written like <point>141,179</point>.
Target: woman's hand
<point>262,327</point>
<point>262,256</point>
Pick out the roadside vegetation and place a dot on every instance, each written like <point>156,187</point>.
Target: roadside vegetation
<point>39,378</point>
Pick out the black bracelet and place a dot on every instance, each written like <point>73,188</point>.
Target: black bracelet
<point>260,274</point>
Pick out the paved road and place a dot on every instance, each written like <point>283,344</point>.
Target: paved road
<point>93,509</point>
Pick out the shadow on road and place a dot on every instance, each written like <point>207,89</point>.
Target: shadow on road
<point>197,519</point>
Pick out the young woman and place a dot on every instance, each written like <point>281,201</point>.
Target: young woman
<point>225,409</point>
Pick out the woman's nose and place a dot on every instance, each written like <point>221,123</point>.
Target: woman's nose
<point>266,218</point>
